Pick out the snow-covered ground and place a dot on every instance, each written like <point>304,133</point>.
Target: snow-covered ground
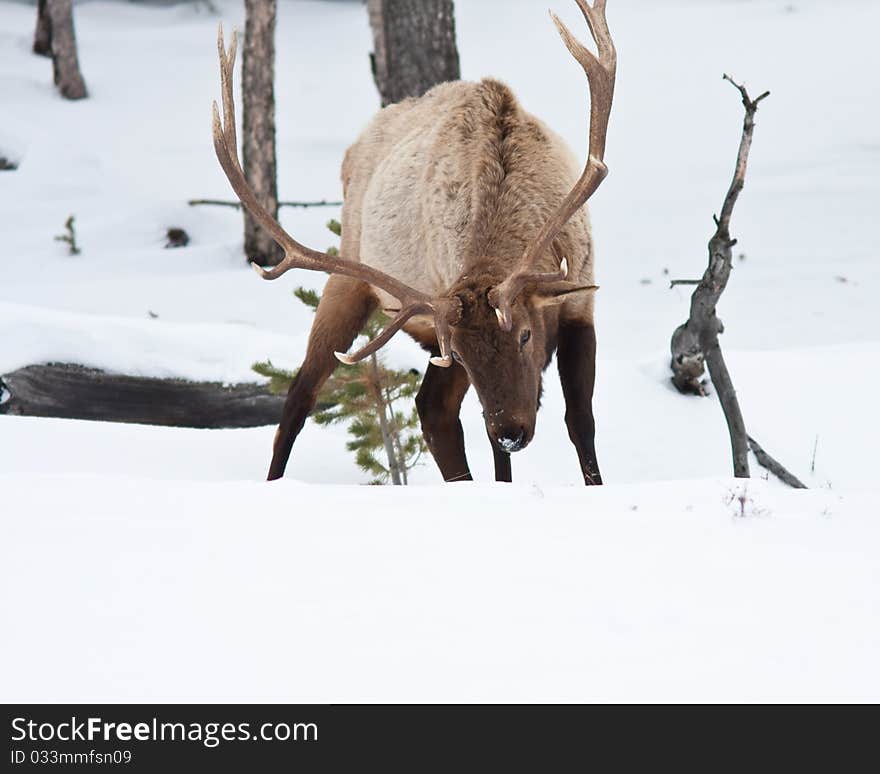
<point>125,588</point>
<point>153,563</point>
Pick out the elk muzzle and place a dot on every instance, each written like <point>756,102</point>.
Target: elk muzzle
<point>509,436</point>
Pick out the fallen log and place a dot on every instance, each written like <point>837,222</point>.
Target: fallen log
<point>71,391</point>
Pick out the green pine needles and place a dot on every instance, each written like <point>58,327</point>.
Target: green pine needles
<point>376,403</point>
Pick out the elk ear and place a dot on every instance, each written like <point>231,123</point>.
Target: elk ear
<point>552,293</point>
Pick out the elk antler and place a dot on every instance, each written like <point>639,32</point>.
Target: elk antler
<point>601,72</point>
<point>296,256</point>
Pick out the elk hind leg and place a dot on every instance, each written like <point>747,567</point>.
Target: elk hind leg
<point>576,358</point>
<point>345,305</point>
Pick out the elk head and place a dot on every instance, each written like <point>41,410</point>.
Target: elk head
<point>493,326</point>
<point>504,354</point>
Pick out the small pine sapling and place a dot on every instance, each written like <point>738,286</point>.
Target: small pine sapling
<point>279,379</point>
<point>336,227</point>
<point>70,237</point>
<point>375,401</point>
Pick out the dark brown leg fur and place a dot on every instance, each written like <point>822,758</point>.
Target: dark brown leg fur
<point>345,306</point>
<point>576,357</point>
<point>438,403</point>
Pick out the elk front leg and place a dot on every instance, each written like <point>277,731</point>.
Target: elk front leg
<point>439,403</point>
<point>345,306</point>
<point>576,357</point>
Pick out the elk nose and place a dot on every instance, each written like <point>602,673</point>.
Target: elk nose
<point>512,440</point>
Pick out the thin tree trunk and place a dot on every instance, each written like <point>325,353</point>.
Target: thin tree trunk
<point>736,425</point>
<point>396,437</point>
<point>65,64</point>
<point>393,466</point>
<point>43,33</point>
<point>415,46</point>
<point>697,339</point>
<point>258,124</point>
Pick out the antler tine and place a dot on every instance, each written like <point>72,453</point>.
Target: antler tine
<point>226,148</point>
<point>298,256</point>
<point>601,73</point>
<point>385,335</point>
<point>445,311</point>
<point>227,63</point>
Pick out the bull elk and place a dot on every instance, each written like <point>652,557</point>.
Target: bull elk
<point>464,221</point>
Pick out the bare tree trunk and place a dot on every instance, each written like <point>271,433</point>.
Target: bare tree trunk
<point>414,46</point>
<point>393,464</point>
<point>258,124</point>
<point>396,438</point>
<point>697,339</point>
<point>43,33</point>
<point>65,64</point>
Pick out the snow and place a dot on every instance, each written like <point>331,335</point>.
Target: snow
<point>144,563</point>
<point>141,592</point>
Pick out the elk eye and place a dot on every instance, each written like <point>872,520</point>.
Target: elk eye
<point>456,357</point>
<point>524,337</point>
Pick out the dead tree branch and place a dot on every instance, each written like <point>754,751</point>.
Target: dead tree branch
<point>697,340</point>
<point>775,467</point>
<point>237,205</point>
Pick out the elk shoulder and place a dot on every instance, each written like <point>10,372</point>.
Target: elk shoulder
<point>459,180</point>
